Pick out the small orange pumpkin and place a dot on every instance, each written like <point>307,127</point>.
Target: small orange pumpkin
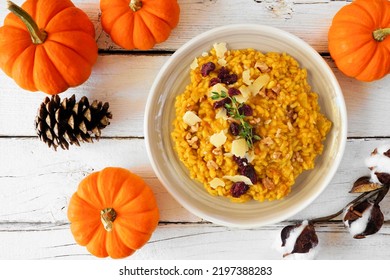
<point>139,24</point>
<point>359,39</point>
<point>47,45</point>
<point>113,213</point>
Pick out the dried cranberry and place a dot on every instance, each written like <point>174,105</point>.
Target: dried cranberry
<point>249,171</point>
<point>246,169</point>
<point>245,110</point>
<point>233,91</point>
<point>238,189</point>
<point>221,103</point>
<point>230,79</point>
<point>207,68</point>
<point>234,128</point>
<point>241,162</point>
<point>227,78</point>
<point>214,81</point>
<point>223,73</point>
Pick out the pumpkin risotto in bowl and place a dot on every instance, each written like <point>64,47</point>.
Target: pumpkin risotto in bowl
<point>245,125</point>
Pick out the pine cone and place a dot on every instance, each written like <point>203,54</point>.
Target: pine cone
<point>59,124</point>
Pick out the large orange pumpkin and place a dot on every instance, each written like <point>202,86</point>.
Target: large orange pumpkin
<point>47,45</point>
<point>113,213</point>
<point>139,24</point>
<point>359,39</point>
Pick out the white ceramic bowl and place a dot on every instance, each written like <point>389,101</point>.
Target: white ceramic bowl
<point>171,81</point>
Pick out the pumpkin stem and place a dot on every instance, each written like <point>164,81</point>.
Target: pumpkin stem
<point>108,216</point>
<point>135,5</point>
<point>380,34</point>
<point>38,36</point>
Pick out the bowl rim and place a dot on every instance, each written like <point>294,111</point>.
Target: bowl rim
<point>186,203</point>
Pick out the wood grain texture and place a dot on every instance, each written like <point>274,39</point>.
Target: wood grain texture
<point>125,80</point>
<point>36,183</point>
<point>40,182</point>
<point>198,16</point>
<point>192,242</point>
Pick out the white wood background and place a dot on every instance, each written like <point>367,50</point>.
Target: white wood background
<point>36,182</point>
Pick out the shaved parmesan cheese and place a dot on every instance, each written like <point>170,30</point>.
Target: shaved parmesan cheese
<point>218,139</point>
<point>222,62</point>
<point>245,91</point>
<point>218,88</point>
<point>259,83</point>
<point>194,64</point>
<point>239,178</point>
<point>220,49</point>
<point>216,182</point>
<point>221,114</point>
<point>250,156</point>
<point>245,94</point>
<point>204,54</point>
<point>239,147</point>
<point>241,98</point>
<point>191,118</point>
<point>246,77</point>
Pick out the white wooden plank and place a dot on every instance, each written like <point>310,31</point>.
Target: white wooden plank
<point>336,196</point>
<point>36,182</point>
<point>125,80</point>
<point>309,20</point>
<point>192,242</point>
<point>210,242</point>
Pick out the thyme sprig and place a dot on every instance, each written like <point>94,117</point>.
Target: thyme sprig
<point>233,111</point>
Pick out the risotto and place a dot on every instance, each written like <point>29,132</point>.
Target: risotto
<point>248,123</point>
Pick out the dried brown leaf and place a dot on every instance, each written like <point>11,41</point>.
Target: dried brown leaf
<point>363,184</point>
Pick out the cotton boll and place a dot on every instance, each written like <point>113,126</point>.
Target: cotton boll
<point>299,242</point>
<point>363,219</point>
<point>292,234</point>
<point>379,164</point>
<point>358,226</point>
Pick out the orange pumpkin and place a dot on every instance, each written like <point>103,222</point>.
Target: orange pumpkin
<point>113,213</point>
<point>47,45</point>
<point>139,24</point>
<point>359,40</point>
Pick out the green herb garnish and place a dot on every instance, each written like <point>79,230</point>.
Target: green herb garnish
<point>233,110</point>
